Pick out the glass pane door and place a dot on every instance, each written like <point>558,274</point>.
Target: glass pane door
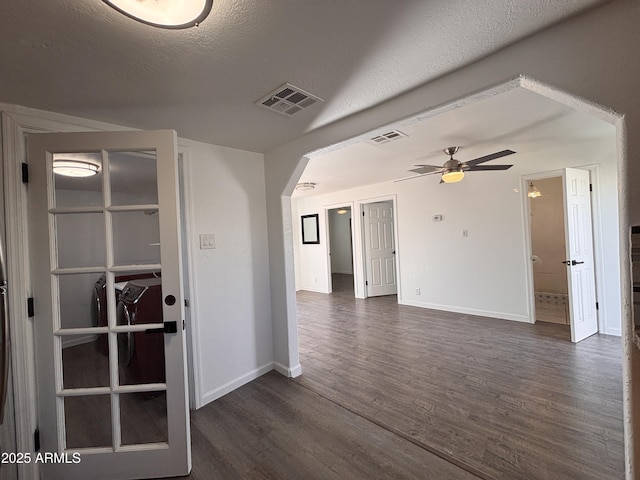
<point>106,254</point>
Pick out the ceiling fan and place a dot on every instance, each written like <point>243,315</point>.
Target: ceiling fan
<point>453,170</point>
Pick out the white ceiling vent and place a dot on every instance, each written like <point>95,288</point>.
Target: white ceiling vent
<point>288,100</point>
<point>391,136</point>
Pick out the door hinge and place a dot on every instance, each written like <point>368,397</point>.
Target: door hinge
<point>30,309</point>
<point>591,187</point>
<point>363,214</point>
<point>597,306</point>
<point>366,282</point>
<point>184,325</point>
<point>36,440</point>
<point>25,172</point>
<point>186,302</point>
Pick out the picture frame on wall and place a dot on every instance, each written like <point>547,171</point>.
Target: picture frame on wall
<point>310,229</point>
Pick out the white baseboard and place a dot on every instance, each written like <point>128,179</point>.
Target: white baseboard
<point>228,387</point>
<point>292,372</point>
<point>73,341</point>
<point>468,311</point>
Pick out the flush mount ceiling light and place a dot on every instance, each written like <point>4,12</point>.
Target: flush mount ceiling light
<point>533,191</point>
<point>342,211</point>
<point>164,13</point>
<point>304,186</point>
<point>74,168</point>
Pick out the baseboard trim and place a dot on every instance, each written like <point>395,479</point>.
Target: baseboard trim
<point>229,387</point>
<point>72,342</point>
<point>468,311</point>
<point>292,372</point>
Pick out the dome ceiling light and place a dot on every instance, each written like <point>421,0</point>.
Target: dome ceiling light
<point>74,168</point>
<point>164,13</point>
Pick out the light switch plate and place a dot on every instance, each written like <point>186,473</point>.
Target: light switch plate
<point>207,241</point>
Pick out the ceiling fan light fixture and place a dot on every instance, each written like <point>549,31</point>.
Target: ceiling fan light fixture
<point>533,191</point>
<point>74,168</point>
<point>453,176</point>
<point>164,13</point>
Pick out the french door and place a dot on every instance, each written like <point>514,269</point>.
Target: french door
<point>108,305</point>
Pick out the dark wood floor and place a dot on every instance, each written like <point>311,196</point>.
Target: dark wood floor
<point>503,399</point>
<point>397,392</point>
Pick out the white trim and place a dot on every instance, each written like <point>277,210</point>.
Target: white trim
<point>335,206</point>
<point>393,198</point>
<point>292,372</point>
<point>598,246</point>
<point>194,370</point>
<point>75,341</point>
<point>467,311</point>
<point>238,382</point>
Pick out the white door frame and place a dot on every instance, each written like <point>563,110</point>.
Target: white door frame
<point>327,229</point>
<point>598,249</point>
<point>361,264</point>
<point>14,126</point>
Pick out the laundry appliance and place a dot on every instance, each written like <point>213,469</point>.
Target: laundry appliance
<point>141,354</point>
<point>99,302</point>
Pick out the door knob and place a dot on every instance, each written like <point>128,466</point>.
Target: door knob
<point>572,262</point>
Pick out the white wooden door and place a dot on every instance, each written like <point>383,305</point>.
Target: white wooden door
<point>579,261</point>
<point>380,249</point>
<point>112,400</point>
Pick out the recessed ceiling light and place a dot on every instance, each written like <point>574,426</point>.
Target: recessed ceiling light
<point>164,13</point>
<point>74,168</point>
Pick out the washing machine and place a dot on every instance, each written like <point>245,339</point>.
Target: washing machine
<point>141,354</point>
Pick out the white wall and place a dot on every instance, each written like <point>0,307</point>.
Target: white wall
<point>588,61</point>
<point>548,237</point>
<point>484,273</point>
<point>230,308</point>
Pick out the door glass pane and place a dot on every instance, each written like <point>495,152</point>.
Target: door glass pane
<point>78,191</point>
<point>83,300</point>
<point>88,421</point>
<point>136,237</point>
<point>84,361</point>
<point>80,240</point>
<point>143,417</point>
<point>141,358</point>
<point>133,178</point>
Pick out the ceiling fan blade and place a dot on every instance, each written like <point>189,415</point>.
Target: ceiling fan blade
<point>426,169</point>
<point>480,168</point>
<point>486,158</point>
<point>407,178</point>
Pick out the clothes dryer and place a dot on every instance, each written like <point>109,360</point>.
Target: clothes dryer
<point>141,354</point>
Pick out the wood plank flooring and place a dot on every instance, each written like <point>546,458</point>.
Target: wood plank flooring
<point>503,399</point>
<point>397,392</point>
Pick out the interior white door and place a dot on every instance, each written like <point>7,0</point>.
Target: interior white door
<point>380,249</point>
<point>579,261</point>
<point>112,399</point>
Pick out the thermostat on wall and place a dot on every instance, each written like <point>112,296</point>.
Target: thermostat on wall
<point>437,218</point>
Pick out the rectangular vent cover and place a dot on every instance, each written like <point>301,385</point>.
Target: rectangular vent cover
<point>288,100</point>
<point>387,137</point>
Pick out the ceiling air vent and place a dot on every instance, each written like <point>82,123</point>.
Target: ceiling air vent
<point>288,100</point>
<point>387,137</point>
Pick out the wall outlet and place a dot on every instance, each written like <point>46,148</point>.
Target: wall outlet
<point>465,233</point>
<point>418,292</point>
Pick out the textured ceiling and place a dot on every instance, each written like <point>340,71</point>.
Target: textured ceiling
<point>519,120</point>
<point>83,58</point>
